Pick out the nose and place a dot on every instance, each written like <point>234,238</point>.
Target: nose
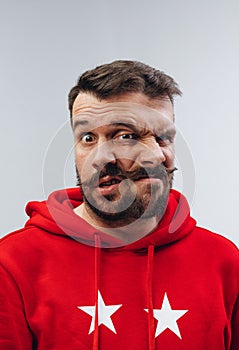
<point>103,155</point>
<point>151,157</point>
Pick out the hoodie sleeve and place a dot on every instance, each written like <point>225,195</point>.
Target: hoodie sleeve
<point>235,327</point>
<point>14,331</point>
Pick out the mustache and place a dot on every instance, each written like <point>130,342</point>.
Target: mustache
<point>110,169</point>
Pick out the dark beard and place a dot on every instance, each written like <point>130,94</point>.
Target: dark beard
<point>146,205</point>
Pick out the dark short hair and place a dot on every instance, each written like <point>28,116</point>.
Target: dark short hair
<point>121,77</point>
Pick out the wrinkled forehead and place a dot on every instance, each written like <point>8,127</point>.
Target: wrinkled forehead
<point>95,115</point>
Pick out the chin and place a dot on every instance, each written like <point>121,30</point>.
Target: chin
<point>145,206</point>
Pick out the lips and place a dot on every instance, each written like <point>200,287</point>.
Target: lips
<point>110,184</point>
<point>113,180</point>
<point>150,180</point>
<point>109,180</point>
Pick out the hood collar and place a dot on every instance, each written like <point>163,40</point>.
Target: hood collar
<point>56,216</point>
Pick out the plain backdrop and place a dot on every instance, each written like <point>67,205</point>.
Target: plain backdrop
<point>46,45</point>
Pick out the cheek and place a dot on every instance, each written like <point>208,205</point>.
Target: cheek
<point>80,159</point>
<point>169,157</point>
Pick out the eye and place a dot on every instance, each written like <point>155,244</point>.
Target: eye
<point>163,140</point>
<point>127,137</point>
<point>87,138</point>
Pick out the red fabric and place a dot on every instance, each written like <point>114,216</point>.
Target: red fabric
<point>97,272</point>
<point>51,277</point>
<point>150,298</point>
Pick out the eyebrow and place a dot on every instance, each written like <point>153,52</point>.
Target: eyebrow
<point>113,123</point>
<point>168,132</point>
<point>80,122</point>
<point>125,125</point>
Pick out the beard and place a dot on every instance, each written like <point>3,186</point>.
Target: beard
<point>131,202</point>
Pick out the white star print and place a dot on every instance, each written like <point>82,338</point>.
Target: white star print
<point>104,313</point>
<point>167,318</point>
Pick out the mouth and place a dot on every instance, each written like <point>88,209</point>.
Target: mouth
<point>109,181</point>
<point>110,184</point>
<point>149,181</point>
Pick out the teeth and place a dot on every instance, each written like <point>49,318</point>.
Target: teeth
<point>111,182</point>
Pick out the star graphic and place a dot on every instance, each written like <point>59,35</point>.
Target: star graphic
<point>104,313</point>
<point>167,318</point>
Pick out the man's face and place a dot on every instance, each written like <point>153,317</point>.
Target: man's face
<point>124,150</point>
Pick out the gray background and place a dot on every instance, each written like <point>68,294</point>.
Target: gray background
<point>46,45</point>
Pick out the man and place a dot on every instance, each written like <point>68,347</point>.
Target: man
<point>119,263</point>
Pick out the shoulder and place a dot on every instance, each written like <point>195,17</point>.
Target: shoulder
<point>216,247</point>
<point>215,239</point>
<point>17,245</point>
<point>16,237</point>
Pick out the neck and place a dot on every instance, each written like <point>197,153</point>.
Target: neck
<point>128,231</point>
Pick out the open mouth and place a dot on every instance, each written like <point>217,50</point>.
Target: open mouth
<point>108,182</point>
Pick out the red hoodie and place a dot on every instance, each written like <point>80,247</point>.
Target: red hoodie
<point>176,288</point>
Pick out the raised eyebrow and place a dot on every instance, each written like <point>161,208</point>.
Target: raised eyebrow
<point>80,122</point>
<point>115,124</point>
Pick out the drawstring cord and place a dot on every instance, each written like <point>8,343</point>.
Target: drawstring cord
<point>151,329</point>
<point>96,283</point>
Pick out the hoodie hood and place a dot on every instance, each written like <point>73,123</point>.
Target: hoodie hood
<point>56,216</point>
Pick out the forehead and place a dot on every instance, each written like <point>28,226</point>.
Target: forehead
<point>131,108</point>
